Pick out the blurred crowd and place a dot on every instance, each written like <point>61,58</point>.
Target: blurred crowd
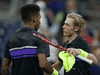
<point>53,14</point>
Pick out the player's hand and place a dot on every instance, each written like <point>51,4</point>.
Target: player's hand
<point>73,51</point>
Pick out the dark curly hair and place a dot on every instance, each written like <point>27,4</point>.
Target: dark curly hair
<point>28,11</point>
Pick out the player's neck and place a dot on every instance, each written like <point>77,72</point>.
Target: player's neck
<point>72,37</point>
<point>29,25</point>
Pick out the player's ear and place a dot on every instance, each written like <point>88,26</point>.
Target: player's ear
<point>34,19</point>
<point>76,28</point>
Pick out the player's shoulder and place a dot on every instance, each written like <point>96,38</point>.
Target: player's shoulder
<point>15,35</point>
<point>82,41</point>
<point>12,37</point>
<point>40,33</point>
<point>65,42</point>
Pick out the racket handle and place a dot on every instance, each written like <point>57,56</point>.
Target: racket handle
<point>84,59</point>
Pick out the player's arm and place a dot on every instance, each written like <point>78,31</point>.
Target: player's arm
<point>88,49</point>
<point>93,58</point>
<point>90,56</point>
<point>84,54</point>
<point>44,64</point>
<point>57,65</point>
<point>43,53</point>
<point>5,66</point>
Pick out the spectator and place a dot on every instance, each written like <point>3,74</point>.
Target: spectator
<point>48,22</point>
<point>85,35</point>
<point>44,24</point>
<point>96,41</point>
<point>53,50</point>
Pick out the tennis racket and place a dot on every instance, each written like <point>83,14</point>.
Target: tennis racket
<point>62,48</point>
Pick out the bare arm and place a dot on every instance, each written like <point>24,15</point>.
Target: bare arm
<point>5,66</point>
<point>93,58</point>
<point>44,64</point>
<point>76,52</point>
<point>57,65</point>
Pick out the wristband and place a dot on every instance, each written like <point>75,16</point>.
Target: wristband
<point>55,72</point>
<point>83,53</point>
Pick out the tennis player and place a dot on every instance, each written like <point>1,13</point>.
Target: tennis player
<point>27,52</point>
<point>76,45</point>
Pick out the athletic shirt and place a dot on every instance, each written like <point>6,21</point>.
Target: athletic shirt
<point>23,49</point>
<point>80,67</point>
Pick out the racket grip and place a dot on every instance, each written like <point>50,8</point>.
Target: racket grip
<point>84,59</point>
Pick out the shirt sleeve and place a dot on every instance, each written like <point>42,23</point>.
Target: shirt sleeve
<point>7,53</point>
<point>43,48</point>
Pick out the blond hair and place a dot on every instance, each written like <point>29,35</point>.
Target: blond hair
<point>79,21</point>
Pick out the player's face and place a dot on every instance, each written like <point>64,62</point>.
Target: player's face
<point>38,22</point>
<point>68,27</point>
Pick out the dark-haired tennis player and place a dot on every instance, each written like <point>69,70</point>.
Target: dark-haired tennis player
<point>27,52</point>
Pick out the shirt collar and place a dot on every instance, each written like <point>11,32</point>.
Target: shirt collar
<point>75,40</point>
<point>27,28</point>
